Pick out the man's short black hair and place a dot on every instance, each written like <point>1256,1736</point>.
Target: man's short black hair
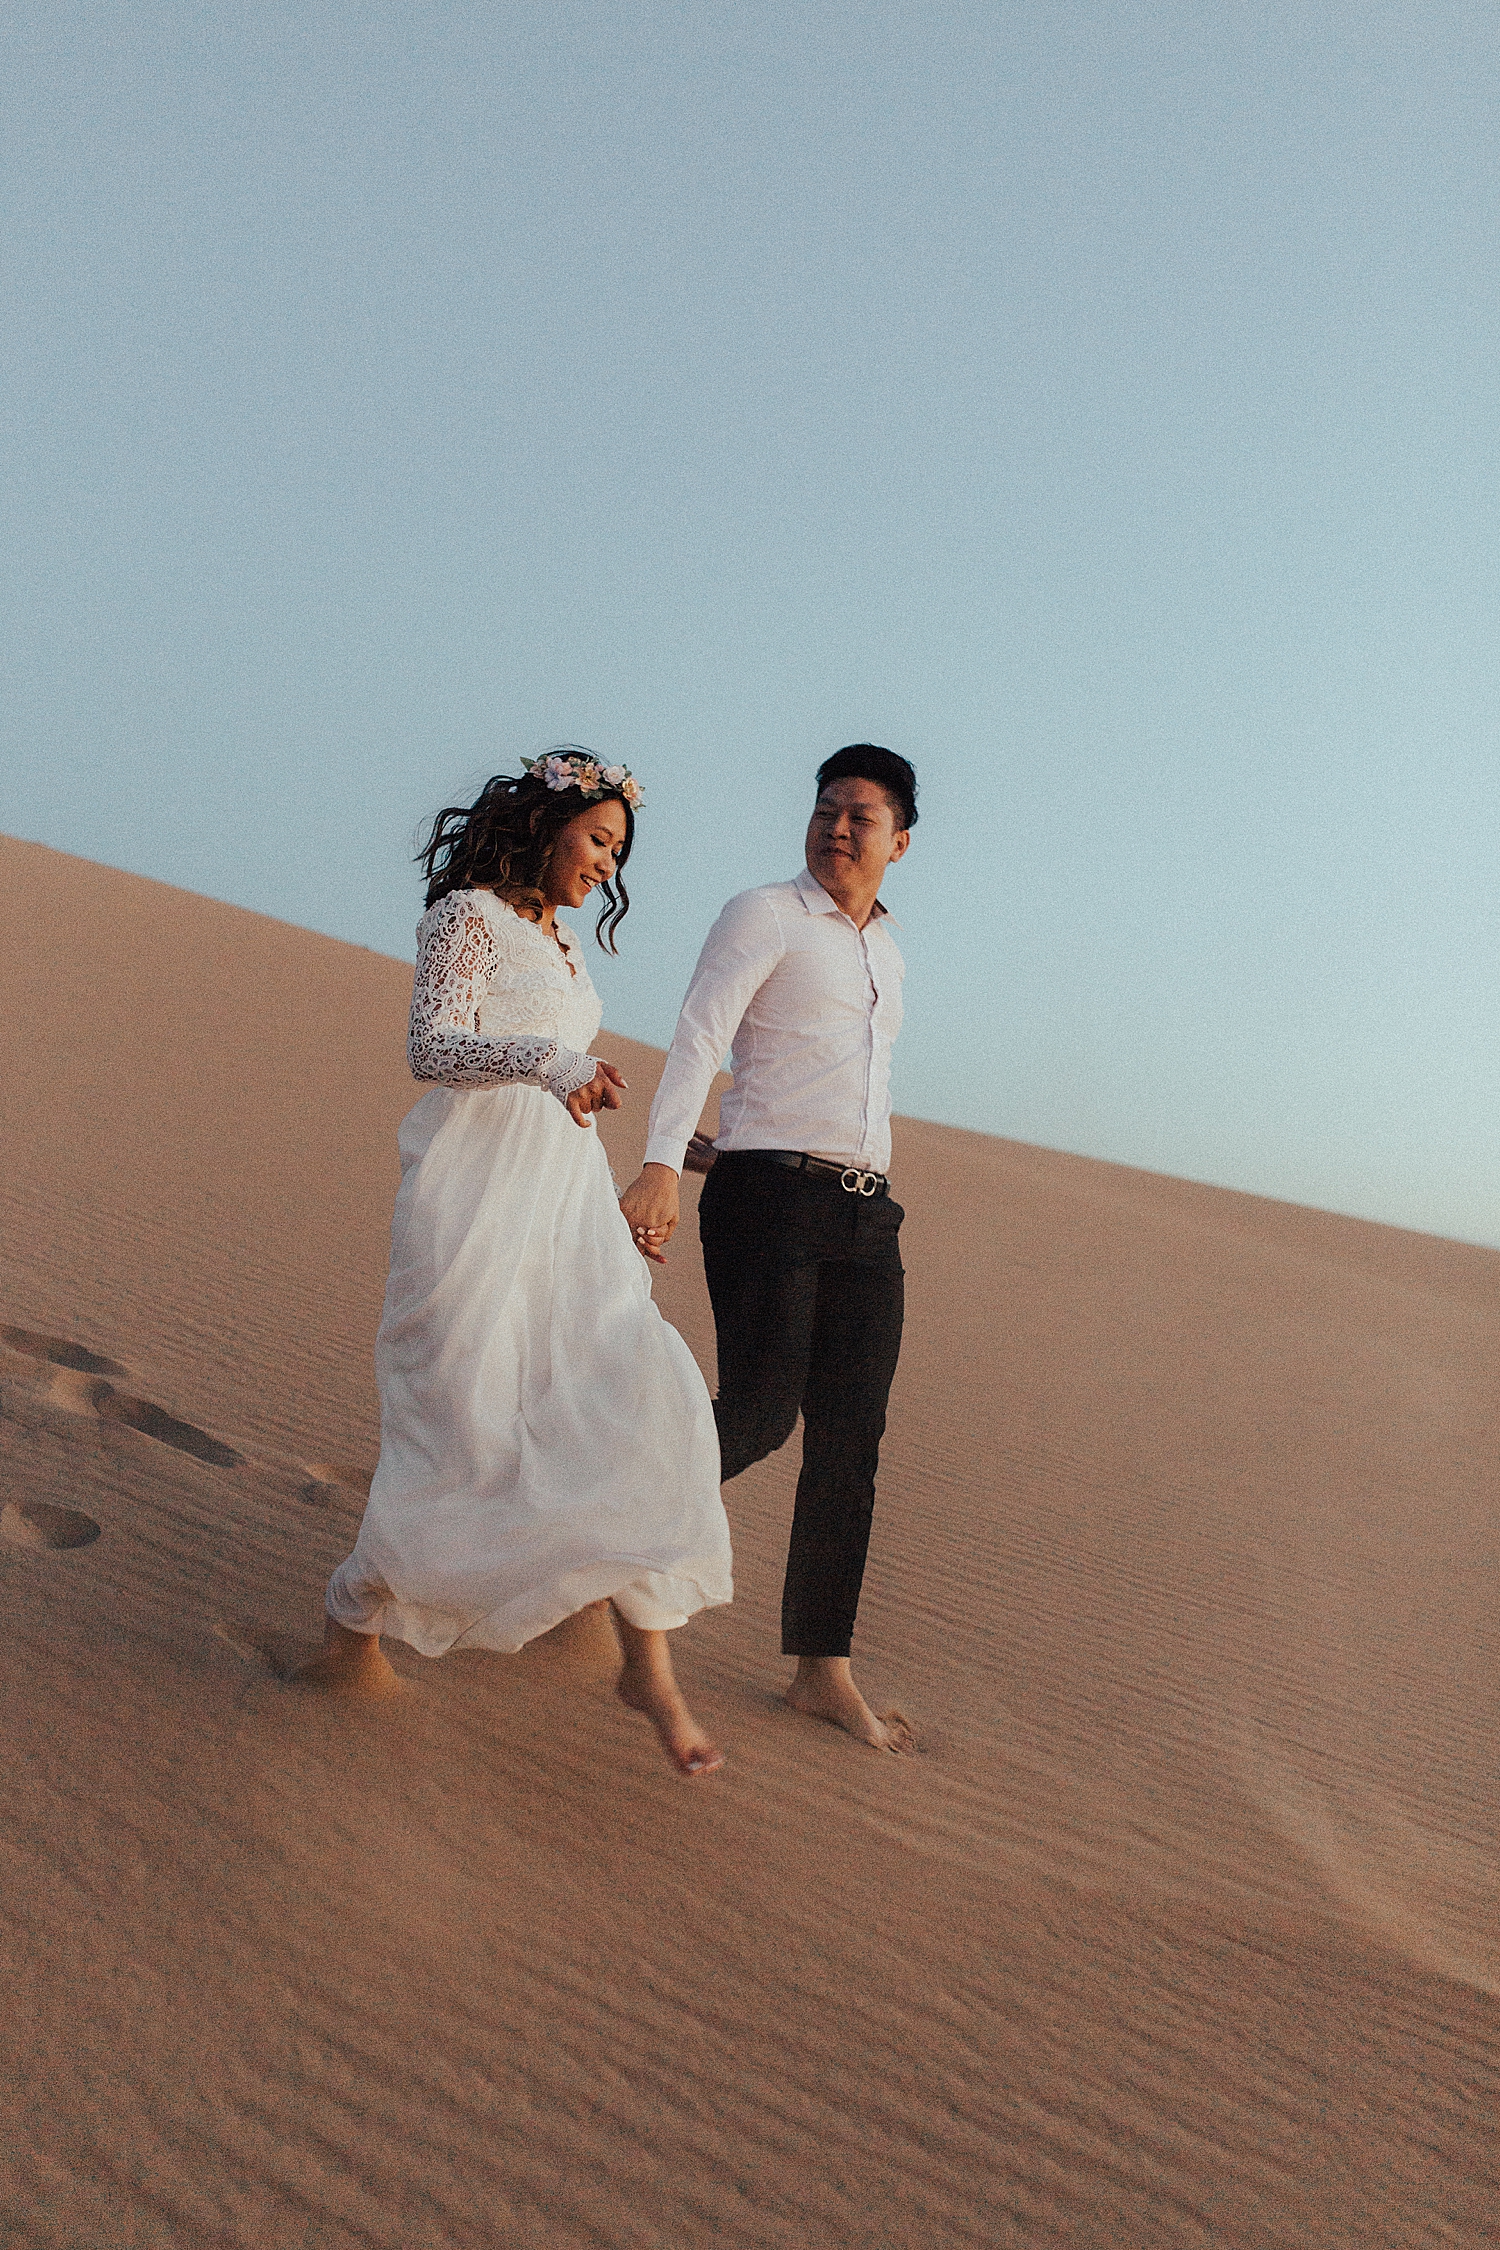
<point>866,761</point>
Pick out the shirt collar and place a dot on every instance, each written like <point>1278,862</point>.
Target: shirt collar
<point>817,900</point>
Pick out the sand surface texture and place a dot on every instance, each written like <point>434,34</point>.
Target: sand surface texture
<point>1184,1929</point>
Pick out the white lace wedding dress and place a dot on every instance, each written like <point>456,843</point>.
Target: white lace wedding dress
<point>546,1437</point>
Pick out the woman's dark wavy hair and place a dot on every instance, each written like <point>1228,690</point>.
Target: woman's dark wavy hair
<point>505,839</point>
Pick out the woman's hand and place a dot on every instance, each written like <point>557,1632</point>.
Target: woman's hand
<point>650,1205</point>
<point>603,1091</point>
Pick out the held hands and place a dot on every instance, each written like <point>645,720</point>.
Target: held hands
<point>650,1205</point>
<point>603,1091</point>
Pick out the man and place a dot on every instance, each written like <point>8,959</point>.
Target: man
<point>801,983</point>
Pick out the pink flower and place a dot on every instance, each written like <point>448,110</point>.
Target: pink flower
<point>575,770</point>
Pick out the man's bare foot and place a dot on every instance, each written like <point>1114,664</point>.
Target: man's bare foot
<point>824,1688</point>
<point>351,1664</point>
<point>649,1685</point>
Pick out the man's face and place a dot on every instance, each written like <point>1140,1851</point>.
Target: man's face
<point>852,837</point>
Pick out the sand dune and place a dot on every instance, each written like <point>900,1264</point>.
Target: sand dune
<point>1184,1930</point>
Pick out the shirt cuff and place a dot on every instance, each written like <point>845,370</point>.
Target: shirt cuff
<point>665,1148</point>
<point>570,1070</point>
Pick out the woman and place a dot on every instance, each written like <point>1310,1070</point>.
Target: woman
<point>546,1439</point>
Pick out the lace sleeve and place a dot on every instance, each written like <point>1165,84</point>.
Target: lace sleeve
<point>457,962</point>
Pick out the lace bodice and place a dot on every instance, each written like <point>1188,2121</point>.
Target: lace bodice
<point>494,1004</point>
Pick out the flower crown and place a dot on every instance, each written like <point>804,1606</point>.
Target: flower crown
<point>581,770</point>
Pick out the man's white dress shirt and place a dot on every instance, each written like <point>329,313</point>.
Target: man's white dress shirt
<point>807,1005</point>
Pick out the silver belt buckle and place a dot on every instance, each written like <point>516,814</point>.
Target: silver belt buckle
<point>854,1182</point>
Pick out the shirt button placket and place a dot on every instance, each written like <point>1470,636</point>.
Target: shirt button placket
<point>872,1002</point>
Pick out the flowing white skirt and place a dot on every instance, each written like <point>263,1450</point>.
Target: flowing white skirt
<point>546,1437</point>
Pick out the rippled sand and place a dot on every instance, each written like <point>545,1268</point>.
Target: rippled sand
<point>1185,1928</point>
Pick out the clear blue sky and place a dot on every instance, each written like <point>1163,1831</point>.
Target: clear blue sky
<point>1096,403</point>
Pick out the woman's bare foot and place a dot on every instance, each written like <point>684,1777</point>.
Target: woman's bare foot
<point>824,1688</point>
<point>351,1664</point>
<point>648,1684</point>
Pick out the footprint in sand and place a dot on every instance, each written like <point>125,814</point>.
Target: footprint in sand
<point>78,1384</point>
<point>280,1654</point>
<point>156,1422</point>
<point>37,1528</point>
<point>331,1485</point>
<point>286,1657</point>
<point>60,1351</point>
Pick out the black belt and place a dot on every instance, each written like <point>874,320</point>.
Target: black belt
<point>849,1176</point>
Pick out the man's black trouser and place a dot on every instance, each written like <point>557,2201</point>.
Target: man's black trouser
<point>807,1289</point>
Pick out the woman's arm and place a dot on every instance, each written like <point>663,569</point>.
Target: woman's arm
<point>455,969</point>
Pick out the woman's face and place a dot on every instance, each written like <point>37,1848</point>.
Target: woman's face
<point>586,853</point>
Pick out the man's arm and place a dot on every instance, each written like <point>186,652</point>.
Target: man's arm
<point>739,953</point>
